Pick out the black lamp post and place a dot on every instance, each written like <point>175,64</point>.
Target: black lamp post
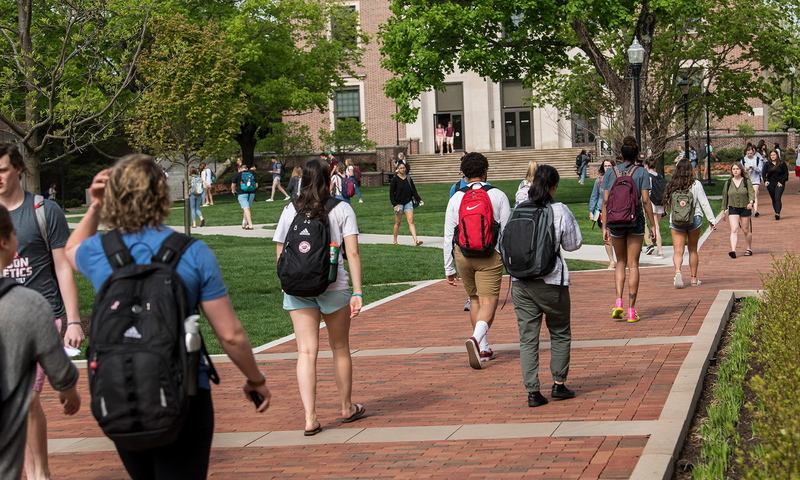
<point>791,96</point>
<point>708,141</point>
<point>636,58</point>
<point>685,85</point>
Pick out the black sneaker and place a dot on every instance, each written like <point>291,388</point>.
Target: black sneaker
<point>468,305</point>
<point>536,399</point>
<point>561,392</point>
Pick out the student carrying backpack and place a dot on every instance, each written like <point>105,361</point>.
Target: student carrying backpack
<point>682,208</point>
<point>528,242</point>
<point>657,184</point>
<point>248,182</point>
<point>196,185</point>
<point>477,231</point>
<point>623,208</point>
<point>349,187</point>
<point>140,372</point>
<point>357,173</point>
<point>304,267</point>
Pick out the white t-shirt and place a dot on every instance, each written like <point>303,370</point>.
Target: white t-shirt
<point>342,221</point>
<point>206,176</point>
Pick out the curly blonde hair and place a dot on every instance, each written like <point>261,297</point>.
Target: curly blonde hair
<point>136,195</point>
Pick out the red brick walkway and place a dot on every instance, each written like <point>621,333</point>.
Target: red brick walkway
<point>489,432</point>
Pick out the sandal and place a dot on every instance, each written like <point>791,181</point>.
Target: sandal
<point>732,254</point>
<point>360,411</point>
<point>419,242</point>
<point>311,433</point>
<point>249,227</point>
<point>748,253</point>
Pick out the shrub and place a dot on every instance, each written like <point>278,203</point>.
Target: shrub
<point>776,415</point>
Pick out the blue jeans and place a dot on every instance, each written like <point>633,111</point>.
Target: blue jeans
<point>194,205</point>
<point>584,167</point>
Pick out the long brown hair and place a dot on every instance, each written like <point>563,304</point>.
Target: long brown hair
<point>136,195</point>
<point>682,179</point>
<point>314,191</point>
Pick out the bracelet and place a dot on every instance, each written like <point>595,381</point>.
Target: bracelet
<point>358,295</point>
<point>259,382</point>
<point>73,323</point>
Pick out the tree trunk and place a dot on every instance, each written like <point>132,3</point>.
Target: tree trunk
<point>246,138</point>
<point>187,212</point>
<point>33,166</point>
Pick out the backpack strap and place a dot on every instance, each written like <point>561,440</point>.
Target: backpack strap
<point>7,284</point>
<point>116,251</point>
<point>41,218</point>
<point>172,249</point>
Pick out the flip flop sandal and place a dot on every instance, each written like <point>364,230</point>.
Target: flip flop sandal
<point>311,433</point>
<point>748,253</point>
<point>360,411</point>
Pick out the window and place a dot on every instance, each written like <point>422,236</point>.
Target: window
<point>347,104</point>
<point>451,99</point>
<point>515,96</point>
<point>344,25</point>
<point>583,131</point>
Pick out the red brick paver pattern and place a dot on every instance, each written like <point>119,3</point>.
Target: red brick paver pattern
<point>437,388</point>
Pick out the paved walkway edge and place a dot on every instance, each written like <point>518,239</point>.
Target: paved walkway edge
<point>664,445</point>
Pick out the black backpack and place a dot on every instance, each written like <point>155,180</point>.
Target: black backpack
<point>139,373</point>
<point>305,263</point>
<point>528,243</point>
<point>657,184</point>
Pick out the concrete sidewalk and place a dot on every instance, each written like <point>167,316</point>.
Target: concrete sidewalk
<point>429,415</point>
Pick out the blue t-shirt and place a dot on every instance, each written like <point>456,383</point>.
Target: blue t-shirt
<point>198,268</point>
<point>640,177</point>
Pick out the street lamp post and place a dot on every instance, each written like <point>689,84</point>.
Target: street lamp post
<point>791,96</point>
<point>685,85</point>
<point>708,141</point>
<point>636,58</point>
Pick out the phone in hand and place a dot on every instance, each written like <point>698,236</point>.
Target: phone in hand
<point>256,398</point>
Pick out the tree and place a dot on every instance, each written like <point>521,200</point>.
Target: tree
<point>349,135</point>
<point>190,110</point>
<point>573,54</point>
<point>67,71</point>
<point>291,62</point>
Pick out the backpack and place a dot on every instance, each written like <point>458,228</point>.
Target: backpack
<point>139,370</point>
<point>522,193</point>
<point>477,232</point>
<point>41,218</point>
<point>528,243</point>
<point>357,172</point>
<point>682,207</point>
<point>349,187</point>
<point>623,200</point>
<point>213,176</point>
<point>196,187</point>
<point>658,182</point>
<point>247,182</point>
<point>305,263</point>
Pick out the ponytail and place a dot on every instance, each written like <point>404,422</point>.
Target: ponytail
<point>546,177</point>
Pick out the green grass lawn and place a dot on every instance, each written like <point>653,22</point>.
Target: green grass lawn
<point>249,270</point>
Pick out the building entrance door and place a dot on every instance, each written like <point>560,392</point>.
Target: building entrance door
<point>517,129</point>
<point>458,127</point>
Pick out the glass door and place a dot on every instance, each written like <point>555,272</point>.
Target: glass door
<point>517,129</point>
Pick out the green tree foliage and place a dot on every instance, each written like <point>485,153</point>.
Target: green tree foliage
<point>291,62</point>
<point>574,54</point>
<point>190,110</point>
<point>67,73</point>
<point>348,136</point>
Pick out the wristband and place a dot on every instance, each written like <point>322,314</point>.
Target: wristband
<point>73,323</point>
<point>259,382</point>
<point>358,295</point>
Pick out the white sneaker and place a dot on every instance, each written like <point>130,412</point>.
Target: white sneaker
<point>270,200</point>
<point>660,256</point>
<point>287,197</point>
<point>678,281</point>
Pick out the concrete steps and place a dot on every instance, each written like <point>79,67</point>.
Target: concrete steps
<point>503,165</point>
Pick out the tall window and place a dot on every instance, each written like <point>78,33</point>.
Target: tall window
<point>344,25</point>
<point>347,104</point>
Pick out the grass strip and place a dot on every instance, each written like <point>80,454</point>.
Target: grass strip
<point>720,437</point>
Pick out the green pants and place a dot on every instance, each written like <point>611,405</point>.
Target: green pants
<point>532,299</point>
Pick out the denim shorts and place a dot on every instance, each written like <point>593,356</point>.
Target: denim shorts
<point>246,199</point>
<point>697,223</point>
<point>328,302</point>
<point>408,207</point>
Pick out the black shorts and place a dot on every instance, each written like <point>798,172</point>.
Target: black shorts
<point>636,229</point>
<point>742,212</point>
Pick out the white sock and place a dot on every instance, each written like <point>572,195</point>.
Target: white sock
<point>481,329</point>
<point>484,344</point>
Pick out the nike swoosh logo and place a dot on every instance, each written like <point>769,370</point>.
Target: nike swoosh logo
<point>473,207</point>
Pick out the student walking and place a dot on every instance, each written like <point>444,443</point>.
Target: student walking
<point>295,182</point>
<point>753,164</point>
<point>207,175</point>
<point>244,186</point>
<point>472,251</point>
<point>277,174</point>
<point>403,194</point>
<point>132,199</point>
<point>546,295</point>
<point>596,208</point>
<point>627,237</point>
<point>687,202</point>
<point>39,264</point>
<point>196,194</point>
<point>776,174</point>
<point>738,199</point>
<point>336,305</point>
<point>351,172</point>
<point>657,185</point>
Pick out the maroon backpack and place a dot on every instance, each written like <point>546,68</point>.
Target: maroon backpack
<point>622,207</point>
<point>477,232</point>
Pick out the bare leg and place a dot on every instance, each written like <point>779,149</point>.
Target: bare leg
<point>247,217</point>
<point>272,196</point>
<point>482,310</point>
<point>396,227</point>
<point>410,219</point>
<point>282,190</point>
<point>36,464</point>
<point>610,253</point>
<point>678,245</point>
<point>748,232</point>
<point>694,259</point>
<point>634,250</point>
<point>659,242</point>
<point>621,250</point>
<point>733,221</point>
<point>338,324</point>
<point>755,204</point>
<point>306,330</point>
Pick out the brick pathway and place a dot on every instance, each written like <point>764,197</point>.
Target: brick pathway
<point>431,416</point>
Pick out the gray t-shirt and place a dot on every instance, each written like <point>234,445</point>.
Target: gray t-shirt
<point>640,177</point>
<point>33,263</point>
